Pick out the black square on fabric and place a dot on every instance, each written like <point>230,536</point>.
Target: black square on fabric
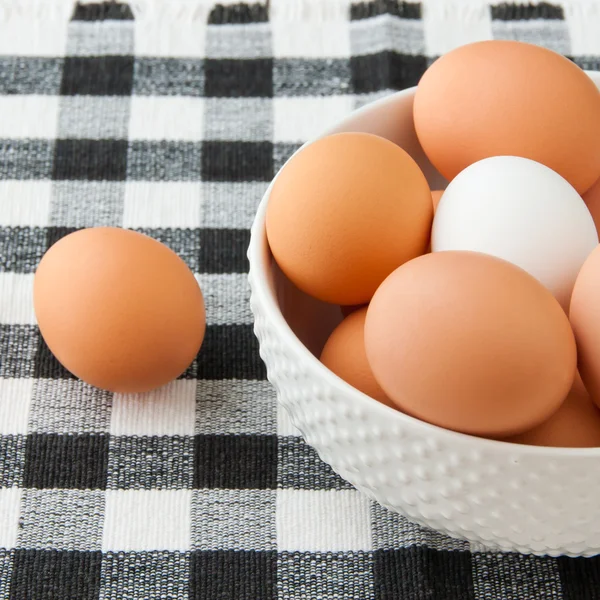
<point>66,461</point>
<point>238,14</point>
<point>46,365</point>
<point>93,160</point>
<point>386,71</point>
<point>53,234</point>
<point>282,152</point>
<point>6,566</point>
<point>587,63</point>
<point>186,243</point>
<point>235,461</point>
<point>12,453</point>
<point>228,352</point>
<point>238,78</point>
<point>300,467</point>
<point>150,462</point>
<point>507,11</point>
<point>55,575</point>
<point>233,575</point>
<point>237,161</point>
<point>223,251</point>
<point>580,577</point>
<point>22,248</point>
<point>149,575</point>
<point>100,11</point>
<point>97,76</point>
<point>374,8</point>
<point>420,573</point>
<point>18,346</point>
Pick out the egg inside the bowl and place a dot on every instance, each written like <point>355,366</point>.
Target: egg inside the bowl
<point>482,490</point>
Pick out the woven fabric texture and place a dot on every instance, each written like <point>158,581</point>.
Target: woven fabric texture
<point>171,118</point>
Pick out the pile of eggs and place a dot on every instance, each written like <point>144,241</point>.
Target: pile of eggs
<point>475,308</point>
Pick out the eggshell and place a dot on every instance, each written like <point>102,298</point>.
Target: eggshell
<point>576,424</point>
<point>344,213</point>
<point>499,97</point>
<point>436,196</point>
<point>519,210</point>
<point>470,342</point>
<point>585,320</point>
<point>592,201</point>
<point>118,309</point>
<point>344,354</point>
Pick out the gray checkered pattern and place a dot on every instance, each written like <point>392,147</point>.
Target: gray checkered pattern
<point>170,118</point>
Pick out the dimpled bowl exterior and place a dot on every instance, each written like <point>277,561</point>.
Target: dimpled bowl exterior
<point>503,496</point>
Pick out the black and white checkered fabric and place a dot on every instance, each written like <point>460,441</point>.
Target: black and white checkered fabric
<point>171,117</point>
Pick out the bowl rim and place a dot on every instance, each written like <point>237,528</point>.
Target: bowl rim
<point>260,260</point>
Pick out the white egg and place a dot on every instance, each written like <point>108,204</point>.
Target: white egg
<point>522,211</point>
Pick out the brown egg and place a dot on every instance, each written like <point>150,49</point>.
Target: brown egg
<point>470,342</point>
<point>436,196</point>
<point>509,98</point>
<point>118,309</point>
<point>576,424</point>
<point>344,354</point>
<point>592,200</point>
<point>344,213</point>
<point>585,320</point>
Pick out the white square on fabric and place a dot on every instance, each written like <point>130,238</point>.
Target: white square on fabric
<point>452,23</point>
<point>166,118</point>
<point>10,508</point>
<point>311,39</point>
<point>145,520</point>
<point>583,22</point>
<point>302,119</point>
<point>323,521</point>
<point>16,299</point>
<point>169,410</point>
<point>163,204</point>
<point>310,29</point>
<point>35,31</point>
<point>25,203</point>
<point>28,117</point>
<point>169,37</point>
<point>15,402</point>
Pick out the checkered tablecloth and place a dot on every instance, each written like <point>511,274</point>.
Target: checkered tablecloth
<point>171,117</point>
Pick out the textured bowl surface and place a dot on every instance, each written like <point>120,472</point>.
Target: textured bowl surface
<point>504,496</point>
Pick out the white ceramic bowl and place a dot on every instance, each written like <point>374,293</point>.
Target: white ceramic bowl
<point>505,496</point>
